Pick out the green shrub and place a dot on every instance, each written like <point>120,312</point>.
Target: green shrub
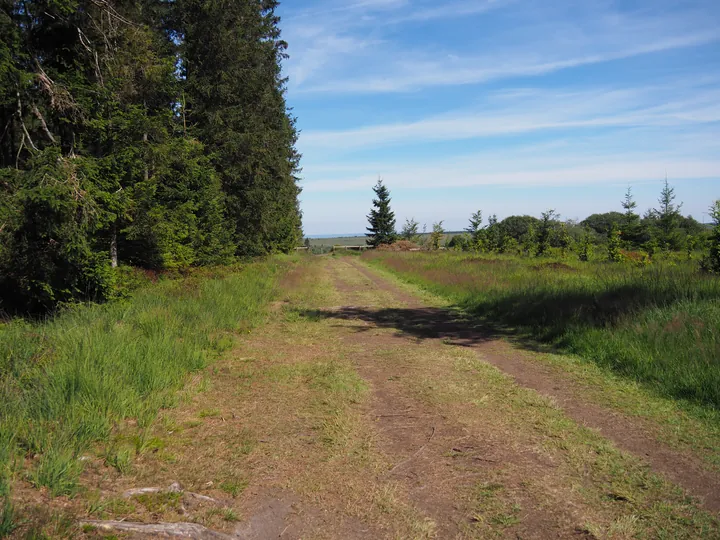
<point>711,261</point>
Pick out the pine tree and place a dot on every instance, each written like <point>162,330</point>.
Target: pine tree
<point>493,235</point>
<point>668,218</point>
<point>436,236</point>
<point>410,230</point>
<point>475,230</point>
<point>232,53</point>
<point>381,218</point>
<point>102,155</point>
<point>631,226</point>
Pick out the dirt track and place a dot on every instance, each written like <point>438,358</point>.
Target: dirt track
<point>362,411</point>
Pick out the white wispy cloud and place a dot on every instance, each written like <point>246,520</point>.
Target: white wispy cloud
<point>472,70</point>
<point>529,38</point>
<point>525,111</point>
<point>449,174</point>
<point>450,10</point>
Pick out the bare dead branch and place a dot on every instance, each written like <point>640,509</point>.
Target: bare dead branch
<point>169,530</point>
<point>19,113</point>
<point>173,488</point>
<point>43,124</point>
<point>60,98</point>
<point>111,11</point>
<point>17,158</point>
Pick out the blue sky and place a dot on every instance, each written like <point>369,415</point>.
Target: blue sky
<point>509,106</point>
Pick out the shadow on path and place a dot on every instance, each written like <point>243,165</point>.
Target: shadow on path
<point>429,323</point>
<point>419,323</point>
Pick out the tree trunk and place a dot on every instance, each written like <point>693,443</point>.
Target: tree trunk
<point>147,171</point>
<point>113,246</point>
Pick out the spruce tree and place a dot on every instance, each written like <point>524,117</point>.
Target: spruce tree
<point>667,218</point>
<point>381,218</point>
<point>631,226</point>
<point>410,230</point>
<point>475,230</point>
<point>99,154</point>
<point>231,55</point>
<point>436,236</point>
<point>493,235</point>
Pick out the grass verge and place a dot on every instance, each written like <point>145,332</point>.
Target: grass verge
<point>71,381</point>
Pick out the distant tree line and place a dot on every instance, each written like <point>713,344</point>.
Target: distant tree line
<point>139,132</point>
<point>618,234</point>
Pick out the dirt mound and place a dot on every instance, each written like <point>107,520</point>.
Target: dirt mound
<point>400,245</point>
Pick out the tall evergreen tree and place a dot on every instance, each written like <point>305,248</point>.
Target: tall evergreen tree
<point>381,218</point>
<point>100,162</point>
<point>231,54</point>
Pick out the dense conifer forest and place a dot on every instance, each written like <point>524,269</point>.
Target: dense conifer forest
<point>139,132</point>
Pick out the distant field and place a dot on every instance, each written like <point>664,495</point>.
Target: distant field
<point>339,241</point>
<point>360,240</point>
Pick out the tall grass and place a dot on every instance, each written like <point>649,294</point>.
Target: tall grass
<point>67,382</point>
<point>659,325</point>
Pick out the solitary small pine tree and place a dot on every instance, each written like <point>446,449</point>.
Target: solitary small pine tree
<point>629,205</point>
<point>711,261</point>
<point>381,218</point>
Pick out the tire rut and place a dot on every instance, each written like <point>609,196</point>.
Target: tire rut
<point>629,434</point>
<point>438,460</point>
